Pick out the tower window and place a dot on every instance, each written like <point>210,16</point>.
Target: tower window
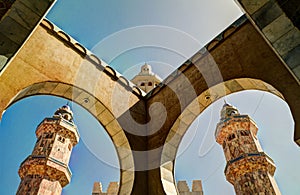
<point>231,137</point>
<point>142,84</point>
<point>61,139</point>
<point>150,84</point>
<point>49,135</point>
<point>244,133</point>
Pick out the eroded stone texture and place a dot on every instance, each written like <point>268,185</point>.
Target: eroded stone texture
<point>238,59</point>
<point>248,168</point>
<point>18,18</point>
<point>46,170</point>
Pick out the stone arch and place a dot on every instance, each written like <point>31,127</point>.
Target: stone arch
<point>102,115</point>
<point>191,112</point>
<point>51,64</point>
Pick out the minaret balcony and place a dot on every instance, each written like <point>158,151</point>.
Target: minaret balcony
<point>48,167</point>
<point>248,163</point>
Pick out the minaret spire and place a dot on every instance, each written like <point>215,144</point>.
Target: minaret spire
<point>46,170</point>
<point>248,168</point>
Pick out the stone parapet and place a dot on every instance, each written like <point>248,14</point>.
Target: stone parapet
<point>184,189</point>
<point>112,189</point>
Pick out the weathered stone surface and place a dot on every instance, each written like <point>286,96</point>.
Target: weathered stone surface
<point>296,70</point>
<point>46,170</point>
<point>266,14</point>
<point>23,15</point>
<point>14,31</point>
<point>240,61</point>
<point>7,46</point>
<point>18,22</point>
<point>248,169</point>
<point>182,186</point>
<point>292,58</point>
<point>253,5</point>
<point>288,42</point>
<point>277,28</point>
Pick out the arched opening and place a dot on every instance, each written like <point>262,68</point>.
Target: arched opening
<point>18,136</point>
<point>99,113</point>
<point>206,158</point>
<point>198,107</point>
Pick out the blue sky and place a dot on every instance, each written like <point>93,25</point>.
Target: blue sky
<point>126,34</point>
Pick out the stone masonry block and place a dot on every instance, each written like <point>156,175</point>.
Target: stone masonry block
<point>125,188</point>
<point>7,46</point>
<point>169,187</point>
<point>72,93</point>
<point>119,139</point>
<point>105,117</point>
<point>266,14</point>
<point>252,6</point>
<point>38,6</point>
<point>197,186</point>
<point>297,71</point>
<point>179,127</point>
<point>97,108</point>
<point>233,86</point>
<point>288,42</point>
<point>277,28</point>
<point>167,174</point>
<point>61,89</point>
<point>292,58</point>
<point>187,117</point>
<point>127,176</point>
<point>182,186</point>
<point>246,83</point>
<point>23,15</point>
<point>13,30</point>
<point>113,127</point>
<point>127,163</point>
<point>174,138</point>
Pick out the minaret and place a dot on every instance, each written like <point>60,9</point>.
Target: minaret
<point>248,168</point>
<point>46,170</point>
<point>146,79</point>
